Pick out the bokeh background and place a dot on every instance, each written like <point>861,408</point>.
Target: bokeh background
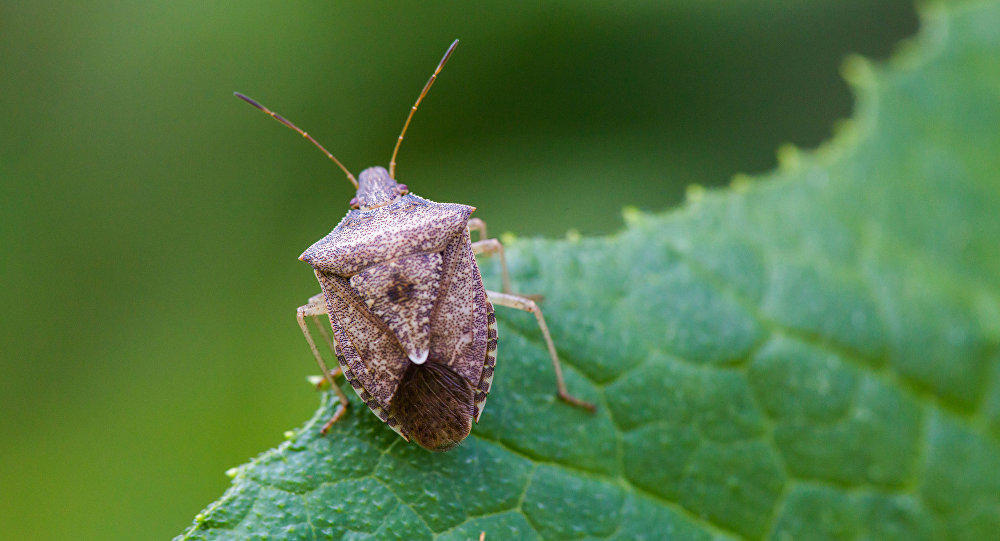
<point>150,222</point>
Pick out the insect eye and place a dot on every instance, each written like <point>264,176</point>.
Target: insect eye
<point>355,204</point>
<point>402,189</point>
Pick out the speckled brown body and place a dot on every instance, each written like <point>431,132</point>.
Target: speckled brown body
<point>414,328</point>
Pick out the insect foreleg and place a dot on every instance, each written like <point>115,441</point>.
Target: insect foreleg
<point>493,246</point>
<point>321,327</point>
<point>316,309</point>
<point>475,224</point>
<point>528,305</point>
<point>320,382</point>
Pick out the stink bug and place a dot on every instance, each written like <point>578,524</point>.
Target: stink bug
<point>413,326</point>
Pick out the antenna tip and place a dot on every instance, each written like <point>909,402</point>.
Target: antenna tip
<point>249,100</point>
<point>451,49</point>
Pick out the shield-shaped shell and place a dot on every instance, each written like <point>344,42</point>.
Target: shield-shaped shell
<point>415,332</point>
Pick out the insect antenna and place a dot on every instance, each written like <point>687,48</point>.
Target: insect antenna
<point>392,161</point>
<point>286,122</point>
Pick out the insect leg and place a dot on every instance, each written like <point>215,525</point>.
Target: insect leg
<point>528,305</point>
<point>475,224</point>
<point>493,246</point>
<point>320,381</point>
<point>315,306</point>
<point>330,342</point>
<point>315,310</point>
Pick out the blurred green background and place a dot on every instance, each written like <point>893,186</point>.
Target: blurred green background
<point>151,222</point>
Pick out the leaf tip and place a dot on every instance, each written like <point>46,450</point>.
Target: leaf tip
<point>740,183</point>
<point>789,157</point>
<point>845,128</point>
<point>631,215</point>
<point>858,71</point>
<point>694,193</point>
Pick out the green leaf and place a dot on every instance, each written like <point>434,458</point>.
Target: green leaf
<point>815,353</point>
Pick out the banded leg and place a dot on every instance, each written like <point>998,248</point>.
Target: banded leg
<point>528,305</point>
<point>316,309</point>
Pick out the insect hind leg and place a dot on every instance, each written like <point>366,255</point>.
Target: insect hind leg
<point>528,305</point>
<point>316,309</point>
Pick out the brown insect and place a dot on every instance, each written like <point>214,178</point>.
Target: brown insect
<point>413,326</point>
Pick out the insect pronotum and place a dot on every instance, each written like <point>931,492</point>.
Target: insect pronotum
<point>413,326</point>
